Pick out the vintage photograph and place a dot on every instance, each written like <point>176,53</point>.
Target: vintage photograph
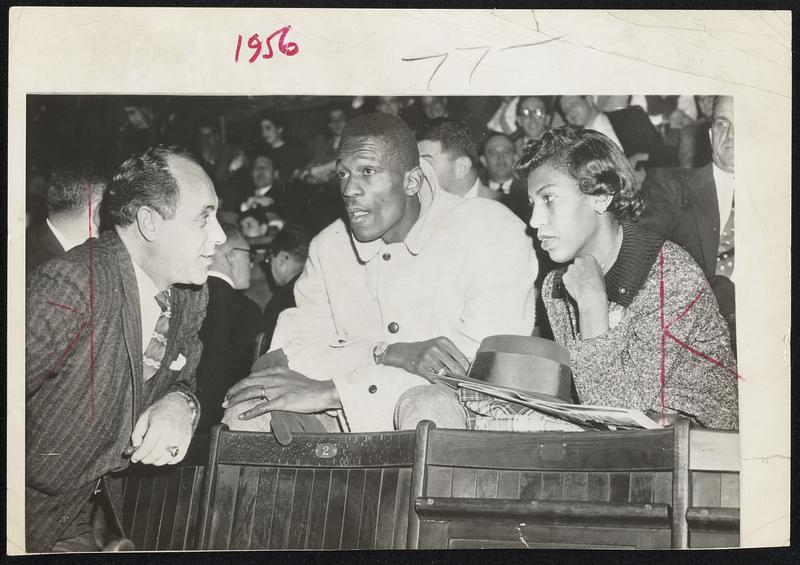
<point>333,279</point>
<point>380,322</point>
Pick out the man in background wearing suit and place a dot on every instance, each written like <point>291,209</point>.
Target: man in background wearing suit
<point>111,347</point>
<point>229,330</point>
<point>695,209</point>
<point>449,146</point>
<point>73,202</point>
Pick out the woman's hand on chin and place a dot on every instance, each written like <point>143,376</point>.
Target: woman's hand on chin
<point>585,283</point>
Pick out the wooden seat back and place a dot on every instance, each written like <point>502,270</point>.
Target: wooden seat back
<point>161,505</point>
<point>713,513</point>
<point>322,491</point>
<point>550,489</point>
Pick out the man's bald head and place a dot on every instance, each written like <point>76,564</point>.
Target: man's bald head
<point>394,132</point>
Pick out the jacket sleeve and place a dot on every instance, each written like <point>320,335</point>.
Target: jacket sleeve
<point>661,201</point>
<point>623,367</point>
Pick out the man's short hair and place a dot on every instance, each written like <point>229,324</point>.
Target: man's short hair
<point>273,117</point>
<point>394,132</point>
<point>69,189</point>
<point>259,214</point>
<point>454,136</point>
<point>547,102</point>
<point>144,179</point>
<point>717,100</point>
<point>292,239</point>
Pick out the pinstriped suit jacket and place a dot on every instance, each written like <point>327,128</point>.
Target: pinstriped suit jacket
<point>84,384</point>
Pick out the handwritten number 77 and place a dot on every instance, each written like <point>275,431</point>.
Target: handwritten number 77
<point>288,48</point>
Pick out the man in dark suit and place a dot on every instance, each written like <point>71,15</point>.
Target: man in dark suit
<point>111,347</point>
<point>288,254</point>
<point>73,202</point>
<point>694,208</point>
<point>229,330</point>
<point>497,157</point>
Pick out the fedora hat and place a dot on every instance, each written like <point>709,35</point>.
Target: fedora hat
<point>532,366</point>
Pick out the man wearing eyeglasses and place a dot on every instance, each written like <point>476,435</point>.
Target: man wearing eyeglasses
<point>229,330</point>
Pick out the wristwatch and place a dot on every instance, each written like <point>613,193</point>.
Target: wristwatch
<point>192,407</point>
<point>379,352</point>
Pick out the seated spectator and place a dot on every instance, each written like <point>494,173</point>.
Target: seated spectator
<point>497,157</point>
<point>71,192</point>
<point>448,145</point>
<point>320,168</point>
<point>229,329</point>
<point>388,105</point>
<point>534,115</point>
<point>222,162</point>
<point>434,107</point>
<point>287,255</point>
<point>285,156</point>
<point>259,226</point>
<point>623,283</point>
<point>694,147</point>
<point>695,209</point>
<point>405,290</point>
<point>580,111</point>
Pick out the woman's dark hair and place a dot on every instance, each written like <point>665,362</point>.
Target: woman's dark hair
<point>596,163</point>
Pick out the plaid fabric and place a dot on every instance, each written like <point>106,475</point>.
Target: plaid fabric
<point>485,412</point>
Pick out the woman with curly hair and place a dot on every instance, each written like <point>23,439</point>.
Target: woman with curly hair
<point>643,329</point>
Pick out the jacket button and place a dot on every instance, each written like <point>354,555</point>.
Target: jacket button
<point>387,256</point>
<point>623,290</point>
<point>372,389</point>
<point>393,327</point>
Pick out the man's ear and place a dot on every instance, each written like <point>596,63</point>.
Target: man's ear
<point>149,222</point>
<point>463,166</point>
<point>413,181</point>
<point>482,159</point>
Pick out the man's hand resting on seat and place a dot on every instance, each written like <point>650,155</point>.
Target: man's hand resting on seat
<point>280,388</point>
<point>437,356</point>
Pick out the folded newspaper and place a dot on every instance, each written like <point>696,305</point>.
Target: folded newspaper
<point>604,417</point>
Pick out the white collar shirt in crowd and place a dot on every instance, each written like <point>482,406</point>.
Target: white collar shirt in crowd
<point>147,303</point>
<point>473,192</point>
<point>725,183</point>
<point>602,124</point>
<point>505,186</point>
<point>221,276</point>
<point>263,190</point>
<point>465,271</point>
<point>65,242</point>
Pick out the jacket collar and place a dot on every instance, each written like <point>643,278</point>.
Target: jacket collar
<point>430,196</point>
<point>629,272</point>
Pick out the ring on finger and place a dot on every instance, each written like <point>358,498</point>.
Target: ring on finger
<point>173,450</point>
<point>263,395</point>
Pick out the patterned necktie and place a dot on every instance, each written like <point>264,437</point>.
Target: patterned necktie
<point>725,255</point>
<point>154,353</point>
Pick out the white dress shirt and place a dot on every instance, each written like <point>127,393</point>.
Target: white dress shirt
<point>506,185</point>
<point>150,309</point>
<point>465,271</point>
<point>66,243</point>
<point>724,183</point>
<point>222,276</point>
<point>473,192</point>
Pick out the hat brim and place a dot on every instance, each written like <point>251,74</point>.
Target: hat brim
<point>499,390</point>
